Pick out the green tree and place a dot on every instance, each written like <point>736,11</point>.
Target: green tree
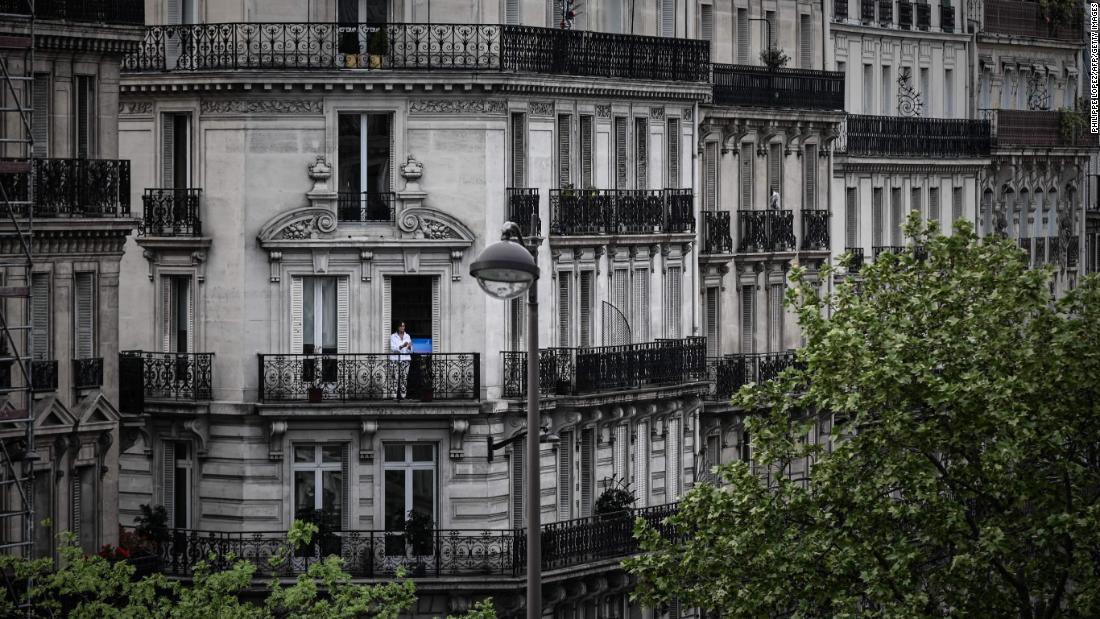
<point>963,473</point>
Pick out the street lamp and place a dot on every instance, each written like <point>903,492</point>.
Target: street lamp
<point>505,270</point>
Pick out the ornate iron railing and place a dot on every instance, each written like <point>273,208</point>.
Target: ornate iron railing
<point>947,17</point>
<point>1072,251</point>
<point>899,136</point>
<point>171,212</point>
<point>731,372</point>
<point>171,375</point>
<point>885,12</point>
<point>717,238</point>
<point>840,10</point>
<point>365,377</point>
<point>44,376</point>
<point>620,211</point>
<point>924,14</point>
<point>94,11</point>
<point>751,85</point>
<point>431,47</point>
<point>867,11</point>
<point>1034,128</point>
<point>75,188</point>
<point>596,538</point>
<point>905,14</point>
<point>1026,19</point>
<point>366,206</point>
<point>857,259</point>
<point>88,373</point>
<point>815,229</point>
<point>878,250</point>
<point>571,371</point>
<point>523,209</point>
<point>765,231</point>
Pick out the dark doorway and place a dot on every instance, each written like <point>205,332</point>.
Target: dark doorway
<point>411,303</point>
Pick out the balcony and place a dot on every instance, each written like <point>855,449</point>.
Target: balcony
<point>174,376</point>
<point>1050,250</point>
<point>933,138</point>
<point>620,211</point>
<point>369,377</point>
<point>886,13</point>
<point>729,373</point>
<point>815,230</point>
<point>98,188</point>
<point>1025,19</point>
<point>840,10</point>
<point>757,86</point>
<point>857,259</point>
<point>368,206</point>
<point>924,15</point>
<point>122,12</point>
<point>575,371</point>
<point>171,212</point>
<point>1026,128</point>
<point>879,250</point>
<point>448,552</point>
<point>44,376</point>
<point>905,14</point>
<point>88,373</point>
<point>716,232</point>
<point>765,231</point>
<point>947,17</point>
<point>523,209</point>
<point>419,47</point>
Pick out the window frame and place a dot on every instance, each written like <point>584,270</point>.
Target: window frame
<point>408,466</point>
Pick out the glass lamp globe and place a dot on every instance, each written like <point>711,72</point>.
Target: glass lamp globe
<point>505,270</point>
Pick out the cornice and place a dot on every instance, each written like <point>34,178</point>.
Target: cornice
<point>79,37</point>
<point>88,237</point>
<point>592,240</point>
<point>876,31</point>
<point>910,166</point>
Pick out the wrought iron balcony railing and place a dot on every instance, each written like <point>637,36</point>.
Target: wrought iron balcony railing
<point>523,209</point>
<point>125,12</point>
<point>857,259</point>
<point>1026,19</point>
<point>165,376</point>
<point>572,371</point>
<point>74,188</point>
<point>171,212</point>
<point>840,10</point>
<point>368,206</point>
<point>43,376</point>
<point>1072,251</point>
<point>867,11</point>
<point>88,373</point>
<point>886,12</point>
<point>729,373</point>
<point>756,86</point>
<point>878,250</point>
<point>765,231</point>
<point>905,14</point>
<point>445,553</point>
<point>947,17</point>
<point>620,211</point>
<point>1012,128</point>
<point>924,14</point>
<point>365,377</point>
<point>427,47</point>
<point>899,136</point>
<point>717,238</point>
<point>815,230</point>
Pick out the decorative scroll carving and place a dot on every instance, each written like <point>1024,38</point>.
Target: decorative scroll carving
<point>367,430</point>
<point>135,107</point>
<point>541,108</point>
<point>274,260</point>
<point>275,441</point>
<point>657,113</point>
<point>457,106</point>
<point>458,433</point>
<point>365,258</point>
<point>603,111</point>
<point>261,106</point>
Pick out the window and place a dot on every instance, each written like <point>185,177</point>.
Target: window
<point>673,301</point>
<point>621,453</point>
<point>587,295</point>
<point>85,504</point>
<point>519,452</point>
<point>934,204</point>
<point>769,17</point>
<point>565,150</point>
<point>868,89</point>
<point>948,93</point>
<point>809,180</point>
<point>588,470</point>
<point>616,329</point>
<point>711,325</point>
<point>640,305</point>
<point>674,454</point>
<point>914,201</point>
<point>620,152</point>
<point>748,319</point>
<point>175,161</point>
<point>806,42</point>
<point>565,475</point>
<point>641,464</point>
<point>565,306</point>
<point>587,179</point>
<point>517,317</point>
<point>706,21</point>
<point>672,155</point>
<point>519,150</point>
<point>319,316</point>
<point>887,90</point>
<point>747,177</point>
<point>876,217</point>
<point>668,18</point>
<point>40,119</point>
<point>775,170</point>
<point>896,216</point>
<point>743,36</point>
<point>40,316</point>
<point>410,482</point>
<point>84,315</point>
<point>926,91</point>
<point>710,176</point>
<point>364,11</point>
<point>851,218</point>
<point>84,115</point>
<point>44,509</point>
<point>641,154</point>
<point>320,482</point>
<point>365,165</point>
<point>177,471</point>
<point>775,317</point>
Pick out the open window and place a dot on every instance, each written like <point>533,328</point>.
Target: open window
<point>365,166</point>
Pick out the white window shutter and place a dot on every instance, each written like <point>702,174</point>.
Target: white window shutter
<point>896,216</point>
<point>747,178</point>
<point>391,177</point>
<point>622,452</point>
<point>585,311</point>
<point>876,217</point>
<point>85,315</point>
<point>710,176</point>
<point>806,42</point>
<point>167,309</point>
<point>167,150</point>
<point>519,149</point>
<point>641,464</point>
<point>168,480</point>
<point>387,321</point>
<point>748,320</point>
<point>40,119</point>
<point>851,215</point>
<point>706,22</point>
<point>511,12</point>
<point>668,18</point>
<point>674,451</point>
<point>809,167</point>
<point>914,201</point>
<point>437,318</point>
<point>934,204</point>
<point>564,151</point>
<point>40,316</point>
<point>672,139</point>
<point>556,17</point>
<point>713,338</point>
<point>84,111</point>
<point>641,154</point>
<point>517,310</point>
<point>519,451</point>
<point>775,319</point>
<point>673,302</point>
<point>345,483</point>
<point>588,470</point>
<point>956,204</point>
<point>343,315</point>
<point>296,332</point>
<point>587,179</point>
<point>620,152</point>
<point>172,12</point>
<point>742,36</point>
<point>565,305</point>
<point>75,500</point>
<point>189,307</point>
<point>565,475</point>
<point>640,305</point>
<point>620,301</point>
<point>775,170</point>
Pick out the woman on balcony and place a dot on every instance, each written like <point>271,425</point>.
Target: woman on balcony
<point>401,346</point>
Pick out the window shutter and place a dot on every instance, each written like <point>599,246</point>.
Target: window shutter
<point>668,18</point>
<point>619,300</point>
<point>345,484</point>
<point>914,201</point>
<point>387,321</point>
<point>511,12</point>
<point>586,308</point>
<point>172,12</point>
<point>189,307</point>
<point>851,223</point>
<point>748,331</point>
<point>706,22</point>
<point>620,152</point>
<point>896,216</point>
<point>167,150</point>
<point>934,204</point>
<point>747,178</point>
<point>641,464</point>
<point>74,499</point>
<point>40,316</point>
<point>588,470</point>
<point>775,167</point>
<point>713,342</point>
<point>586,152</point>
<point>437,318</point>
<point>565,302</point>
<point>166,310</point>
<point>518,316</point>
<point>742,36</point>
<point>519,148</point>
<point>876,217</point>
<point>168,480</point>
<point>85,315</point>
<point>956,204</point>
<point>84,91</point>
<point>710,176</point>
<point>343,315</point>
<point>296,333</point>
<point>673,156</point>
<point>673,302</point>
<point>622,452</point>
<point>806,42</point>
<point>564,151</point>
<point>391,171</point>
<point>674,451</point>
<point>519,450</point>
<point>555,13</point>
<point>775,320</point>
<point>565,475</point>
<point>40,119</point>
<point>640,305</point>
<point>641,155</point>
<point>809,180</point>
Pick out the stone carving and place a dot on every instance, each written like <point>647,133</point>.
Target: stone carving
<point>1038,97</point>
<point>457,106</point>
<point>909,101</point>
<point>319,172</point>
<point>603,111</point>
<point>437,230</point>
<point>412,170</point>
<point>687,114</point>
<point>657,113</point>
<point>135,107</point>
<point>304,228</point>
<point>541,108</point>
<point>261,106</point>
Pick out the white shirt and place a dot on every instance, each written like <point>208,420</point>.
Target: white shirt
<point>397,341</point>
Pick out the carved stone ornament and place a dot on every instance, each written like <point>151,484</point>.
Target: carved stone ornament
<point>261,106</point>
<point>603,111</point>
<point>275,440</point>
<point>687,114</point>
<point>299,224</point>
<point>135,107</point>
<point>319,172</point>
<point>458,433</point>
<point>412,170</point>
<point>425,227</point>
<point>367,430</point>
<point>657,113</point>
<point>457,106</point>
<point>541,108</point>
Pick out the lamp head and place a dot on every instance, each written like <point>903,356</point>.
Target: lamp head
<point>505,269</point>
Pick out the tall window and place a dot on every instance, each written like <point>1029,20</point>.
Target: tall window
<point>948,93</point>
<point>365,164</point>
<point>511,12</point>
<point>706,22</point>
<point>175,162</point>
<point>44,508</point>
<point>517,316</point>
<point>84,115</point>
<point>868,89</point>
<point>320,482</point>
<point>809,180</point>
<point>620,152</point>
<point>710,176</point>
<point>673,301</point>
<point>876,217</point>
<point>668,18</point>
<point>588,470</point>
<point>40,120</point>
<point>897,216</point>
<point>934,204</point>
<point>519,150</point>
<point>410,479</point>
<point>805,42</point>
<point>565,150</point>
<point>641,154</point>
<point>775,170</point>
<point>775,317</point>
<point>178,316</point>
<point>956,204</point>
<point>40,316</point>
<point>672,154</point>
<point>363,11</point>
<point>177,470</point>
<point>565,475</point>
<point>565,308</point>
<point>586,296</point>
<point>84,315</point>
<point>587,137</point>
<point>640,305</point>
<point>712,325</point>
<point>887,90</point>
<point>319,315</point>
<point>914,201</point>
<point>85,504</point>
<point>747,178</point>
<point>748,319</point>
<point>851,218</point>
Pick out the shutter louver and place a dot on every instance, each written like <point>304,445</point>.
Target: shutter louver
<point>710,176</point>
<point>296,328</point>
<point>519,450</point>
<point>809,166</point>
<point>640,305</point>
<point>344,486</point>
<point>619,300</point>
<point>565,475</point>
<point>189,308</point>
<point>934,204</point>
<point>673,139</point>
<point>620,152</point>
<point>775,320</point>
<point>876,217</point>
<point>565,300</point>
<point>168,481</point>
<point>519,149</point>
<point>511,12</point>
<point>387,321</point>
<point>437,318</point>
<point>851,223</point>
<point>956,204</point>
<point>706,22</point>
<point>641,464</point>
<point>622,452</point>
<point>775,167</point>
<point>556,18</point>
<point>587,179</point>
<point>74,498</point>
<point>343,315</point>
<point>167,309</point>
<point>806,42</point>
<point>564,151</point>
<point>742,36</point>
<point>713,343</point>
<point>40,316</point>
<point>668,18</point>
<point>40,119</point>
<point>896,216</point>
<point>85,315</point>
<point>586,308</point>
<point>746,176</point>
<point>914,201</point>
<point>588,470</point>
<point>748,331</point>
<point>673,282</point>
<point>641,154</point>
<point>518,317</point>
<point>674,452</point>
<point>167,150</point>
<point>85,91</point>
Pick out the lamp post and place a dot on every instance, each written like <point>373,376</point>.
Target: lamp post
<point>505,270</point>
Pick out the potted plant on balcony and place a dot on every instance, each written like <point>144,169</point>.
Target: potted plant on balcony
<point>613,507</point>
<point>773,58</point>
<point>378,47</point>
<point>419,534</point>
<point>1071,124</point>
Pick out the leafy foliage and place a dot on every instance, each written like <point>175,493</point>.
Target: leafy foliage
<point>617,498</point>
<point>962,472</point>
<point>152,523</point>
<point>774,58</point>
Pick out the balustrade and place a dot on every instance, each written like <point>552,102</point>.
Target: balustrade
<point>878,250</point>
<point>88,373</point>
<point>620,211</point>
<point>751,85</point>
<point>165,376</point>
<point>171,212</point>
<point>731,372</point>
<point>1012,128</point>
<point>523,209</point>
<point>815,229</point>
<point>123,12</point>
<point>1026,19</point>
<point>365,377</point>
<point>898,136</point>
<point>367,206</point>
<point>43,376</point>
<point>717,238</point>
<point>765,231</point>
<point>74,188</point>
